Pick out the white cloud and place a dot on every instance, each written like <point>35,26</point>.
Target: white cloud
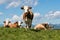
<point>16,3</point>
<point>37,16</point>
<point>22,2</point>
<point>50,16</point>
<point>57,13</point>
<point>30,2</point>
<point>53,14</point>
<point>15,18</point>
<point>35,3</point>
<point>13,4</point>
<point>7,19</point>
<point>21,17</point>
<point>5,1</point>
<point>1,13</point>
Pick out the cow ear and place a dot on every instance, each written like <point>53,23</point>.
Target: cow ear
<point>4,22</point>
<point>30,7</point>
<point>9,21</point>
<point>22,7</point>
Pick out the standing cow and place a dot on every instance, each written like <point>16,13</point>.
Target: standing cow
<point>27,16</point>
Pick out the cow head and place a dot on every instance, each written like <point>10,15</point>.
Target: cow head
<point>26,8</point>
<point>19,22</point>
<point>6,22</point>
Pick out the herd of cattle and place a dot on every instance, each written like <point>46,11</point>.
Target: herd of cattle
<point>27,17</point>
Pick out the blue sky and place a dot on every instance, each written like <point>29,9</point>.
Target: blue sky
<point>44,10</point>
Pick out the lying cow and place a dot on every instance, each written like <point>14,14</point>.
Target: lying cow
<point>47,26</point>
<point>12,25</point>
<point>39,27</point>
<point>27,16</point>
<point>44,26</point>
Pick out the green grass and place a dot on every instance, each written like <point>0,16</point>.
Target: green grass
<point>29,34</point>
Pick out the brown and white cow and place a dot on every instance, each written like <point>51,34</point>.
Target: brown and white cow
<point>17,24</point>
<point>12,25</point>
<point>47,26</point>
<point>44,26</point>
<point>39,27</point>
<point>27,16</point>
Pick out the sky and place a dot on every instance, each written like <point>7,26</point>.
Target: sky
<point>44,10</point>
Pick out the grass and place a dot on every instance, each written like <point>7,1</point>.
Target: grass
<point>29,34</point>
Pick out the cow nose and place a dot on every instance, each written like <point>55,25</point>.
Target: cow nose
<point>7,25</point>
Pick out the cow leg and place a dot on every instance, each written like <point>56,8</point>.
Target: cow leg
<point>26,22</point>
<point>29,25</point>
<point>26,26</point>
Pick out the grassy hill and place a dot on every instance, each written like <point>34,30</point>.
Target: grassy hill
<point>29,34</point>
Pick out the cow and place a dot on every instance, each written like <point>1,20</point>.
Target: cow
<point>47,26</point>
<point>27,16</point>
<point>20,23</point>
<point>44,26</point>
<point>39,27</point>
<point>16,24</point>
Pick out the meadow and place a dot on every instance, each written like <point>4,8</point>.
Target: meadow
<point>29,34</point>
